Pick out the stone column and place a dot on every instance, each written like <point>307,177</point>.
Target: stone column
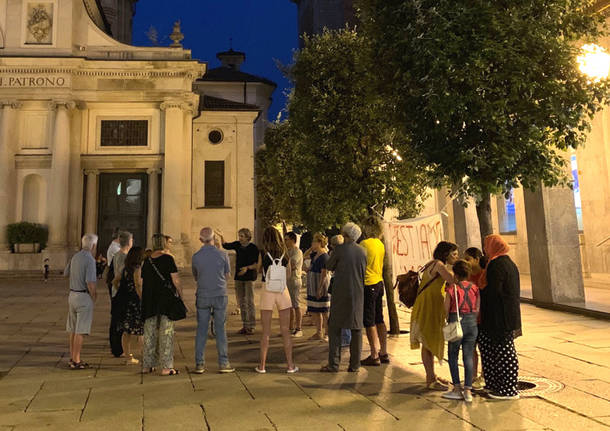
<point>553,245</point>
<point>175,193</point>
<point>152,220</point>
<point>7,167</point>
<point>60,173</point>
<point>91,201</point>
<point>466,225</point>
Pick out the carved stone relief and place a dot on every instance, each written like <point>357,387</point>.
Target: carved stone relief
<point>39,23</point>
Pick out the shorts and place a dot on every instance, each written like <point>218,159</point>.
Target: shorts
<point>80,313</point>
<point>373,305</point>
<point>294,289</point>
<point>280,299</point>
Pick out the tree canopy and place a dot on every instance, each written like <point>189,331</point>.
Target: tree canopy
<point>338,143</point>
<point>488,91</point>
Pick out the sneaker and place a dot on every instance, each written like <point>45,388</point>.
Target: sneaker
<point>385,359</point>
<point>242,331</point>
<point>200,369</point>
<point>316,337</point>
<point>259,371</point>
<point>453,395</point>
<point>353,370</point>
<point>295,369</point>
<point>249,331</point>
<point>467,395</point>
<point>479,383</point>
<point>497,396</point>
<point>223,369</point>
<point>370,362</point>
<point>297,333</point>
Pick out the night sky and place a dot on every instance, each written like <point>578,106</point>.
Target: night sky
<point>264,29</point>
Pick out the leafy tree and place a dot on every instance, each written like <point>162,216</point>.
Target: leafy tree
<point>488,91</point>
<point>347,163</point>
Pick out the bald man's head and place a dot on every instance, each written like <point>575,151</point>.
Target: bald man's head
<point>206,235</point>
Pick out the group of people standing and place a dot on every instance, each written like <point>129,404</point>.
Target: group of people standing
<point>482,292</point>
<point>345,288</point>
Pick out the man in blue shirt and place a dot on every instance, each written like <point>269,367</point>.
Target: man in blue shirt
<point>211,269</point>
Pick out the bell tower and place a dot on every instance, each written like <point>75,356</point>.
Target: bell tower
<point>315,15</point>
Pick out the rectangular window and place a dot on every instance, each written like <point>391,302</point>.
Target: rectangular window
<point>214,183</point>
<point>124,133</point>
<point>576,186</point>
<point>507,218</point>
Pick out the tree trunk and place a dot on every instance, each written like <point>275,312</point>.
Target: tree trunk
<point>389,290</point>
<point>484,216</point>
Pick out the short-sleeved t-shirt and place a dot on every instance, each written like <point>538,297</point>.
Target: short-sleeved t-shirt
<point>210,267</point>
<point>375,252</point>
<point>465,305</point>
<point>154,295</point>
<point>81,270</point>
<point>246,256</point>
<point>295,255</point>
<point>113,249</point>
<point>318,263</point>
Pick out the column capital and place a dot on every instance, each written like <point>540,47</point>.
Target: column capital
<point>15,104</point>
<point>56,104</point>
<point>153,171</point>
<point>92,172</point>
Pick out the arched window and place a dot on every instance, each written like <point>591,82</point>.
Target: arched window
<point>32,199</point>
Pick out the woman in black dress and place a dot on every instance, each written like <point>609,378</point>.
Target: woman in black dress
<point>129,296</point>
<point>500,320</point>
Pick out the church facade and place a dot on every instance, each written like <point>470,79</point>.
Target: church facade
<point>97,134</point>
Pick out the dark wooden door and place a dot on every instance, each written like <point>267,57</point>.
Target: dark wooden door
<point>123,203</point>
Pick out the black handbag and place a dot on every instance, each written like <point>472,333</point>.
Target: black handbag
<point>176,310</point>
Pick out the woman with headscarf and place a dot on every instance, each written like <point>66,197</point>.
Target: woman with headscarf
<point>500,320</point>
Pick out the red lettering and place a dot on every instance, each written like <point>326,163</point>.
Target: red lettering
<point>425,245</point>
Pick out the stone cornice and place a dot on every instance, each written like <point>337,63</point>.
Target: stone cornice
<point>121,162</point>
<point>135,74</point>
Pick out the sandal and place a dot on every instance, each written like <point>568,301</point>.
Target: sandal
<point>79,365</point>
<point>172,372</point>
<point>436,385</point>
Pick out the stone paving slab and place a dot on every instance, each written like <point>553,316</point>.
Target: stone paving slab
<point>38,392</point>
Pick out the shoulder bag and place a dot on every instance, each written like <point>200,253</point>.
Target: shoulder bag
<point>176,310</point>
<point>452,331</point>
<point>408,285</point>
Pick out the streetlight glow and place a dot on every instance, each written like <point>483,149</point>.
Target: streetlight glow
<point>594,62</point>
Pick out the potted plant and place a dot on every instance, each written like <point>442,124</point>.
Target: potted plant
<point>25,237</point>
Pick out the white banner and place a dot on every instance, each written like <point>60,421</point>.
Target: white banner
<point>411,242</point>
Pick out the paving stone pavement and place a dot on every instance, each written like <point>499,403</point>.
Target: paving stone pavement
<point>38,392</point>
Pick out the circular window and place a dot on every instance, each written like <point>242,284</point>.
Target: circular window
<point>215,136</point>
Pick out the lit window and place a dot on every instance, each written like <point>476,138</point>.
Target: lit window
<point>507,218</point>
<point>577,201</point>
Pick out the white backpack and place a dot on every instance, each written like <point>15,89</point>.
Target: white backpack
<point>276,275</point>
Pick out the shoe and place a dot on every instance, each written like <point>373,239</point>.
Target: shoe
<point>242,331</point>
<point>385,359</point>
<point>297,333</point>
<point>497,396</point>
<point>249,331</point>
<point>327,369</point>
<point>325,338</point>
<point>224,369</point>
<point>453,395</point>
<point>200,369</point>
<point>478,383</point>
<point>353,370</point>
<point>295,369</point>
<point>435,385</point>
<point>370,362</point>
<point>131,361</point>
<point>467,396</point>
<point>316,337</point>
<point>259,371</point>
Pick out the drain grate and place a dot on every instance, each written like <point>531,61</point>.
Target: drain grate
<point>535,386</point>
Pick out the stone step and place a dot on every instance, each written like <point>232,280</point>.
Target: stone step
<point>29,275</point>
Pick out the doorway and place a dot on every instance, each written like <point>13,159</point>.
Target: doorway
<point>123,203</point>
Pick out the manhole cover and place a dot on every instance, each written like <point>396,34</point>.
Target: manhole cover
<point>534,386</point>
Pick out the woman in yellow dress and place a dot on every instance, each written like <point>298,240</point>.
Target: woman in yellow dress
<point>428,314</point>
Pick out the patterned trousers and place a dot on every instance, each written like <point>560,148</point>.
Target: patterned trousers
<point>245,301</point>
<point>158,348</point>
<point>500,363</point>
